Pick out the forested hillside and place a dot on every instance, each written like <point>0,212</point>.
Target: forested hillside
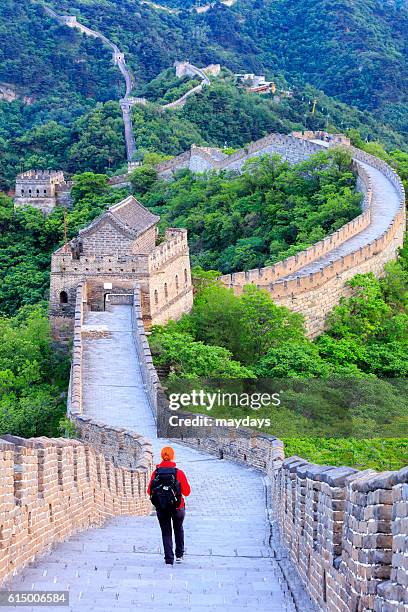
<point>62,74</point>
<point>66,114</point>
<point>356,51</point>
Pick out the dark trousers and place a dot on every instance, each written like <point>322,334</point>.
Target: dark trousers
<point>166,519</point>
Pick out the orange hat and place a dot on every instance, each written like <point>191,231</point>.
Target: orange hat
<point>167,453</point>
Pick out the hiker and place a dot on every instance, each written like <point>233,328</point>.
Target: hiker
<point>166,488</point>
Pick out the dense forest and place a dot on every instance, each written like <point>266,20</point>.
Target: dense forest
<point>354,51</point>
<point>267,213</point>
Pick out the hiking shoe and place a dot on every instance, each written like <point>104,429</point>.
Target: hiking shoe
<point>179,559</point>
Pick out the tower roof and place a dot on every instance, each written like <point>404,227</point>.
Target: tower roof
<point>129,216</point>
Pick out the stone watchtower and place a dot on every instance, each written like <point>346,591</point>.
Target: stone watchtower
<point>42,189</point>
<point>115,252</point>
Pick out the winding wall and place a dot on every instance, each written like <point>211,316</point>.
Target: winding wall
<point>119,60</point>
<point>127,102</point>
<point>313,281</point>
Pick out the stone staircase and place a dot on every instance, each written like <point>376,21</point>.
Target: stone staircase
<point>228,563</point>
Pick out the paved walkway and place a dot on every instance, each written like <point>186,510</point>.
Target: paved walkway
<point>228,564</point>
<point>384,206</point>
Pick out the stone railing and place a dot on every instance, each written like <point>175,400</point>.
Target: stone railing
<point>52,488</point>
<point>270,274</point>
<point>150,378</point>
<point>181,161</point>
<point>343,530</point>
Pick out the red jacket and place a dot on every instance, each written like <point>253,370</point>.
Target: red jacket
<point>181,477</point>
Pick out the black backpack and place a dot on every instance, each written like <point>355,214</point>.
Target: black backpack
<point>165,490</point>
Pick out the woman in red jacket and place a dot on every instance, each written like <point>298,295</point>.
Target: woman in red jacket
<point>173,515</point>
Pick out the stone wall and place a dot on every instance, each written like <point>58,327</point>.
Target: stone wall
<point>170,286</point>
<point>149,374</point>
<point>315,304</point>
<point>315,294</point>
<point>344,531</point>
<point>52,488</point>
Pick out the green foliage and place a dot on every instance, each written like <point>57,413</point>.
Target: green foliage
<point>380,454</point>
<point>32,376</point>
<point>248,325</point>
<point>238,222</point>
<point>94,142</point>
<point>167,87</point>
<point>370,329</point>
<point>143,179</point>
<point>330,387</point>
<point>292,360</point>
<point>189,358</point>
<point>167,132</point>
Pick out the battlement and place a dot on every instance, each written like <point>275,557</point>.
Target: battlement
<point>42,189</point>
<point>117,250</point>
<point>42,176</point>
<point>174,245</point>
<point>52,488</point>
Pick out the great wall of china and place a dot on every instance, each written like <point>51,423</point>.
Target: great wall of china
<point>75,514</point>
<point>127,102</point>
<point>313,281</point>
<point>334,537</point>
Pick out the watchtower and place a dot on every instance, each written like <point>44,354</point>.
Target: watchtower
<point>115,252</point>
<point>40,189</point>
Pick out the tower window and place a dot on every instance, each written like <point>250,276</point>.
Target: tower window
<point>156,297</point>
<point>185,276</point>
<point>166,292</point>
<point>177,282</point>
<point>63,297</point>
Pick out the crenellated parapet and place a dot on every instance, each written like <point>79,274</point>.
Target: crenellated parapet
<point>344,531</point>
<point>52,488</point>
